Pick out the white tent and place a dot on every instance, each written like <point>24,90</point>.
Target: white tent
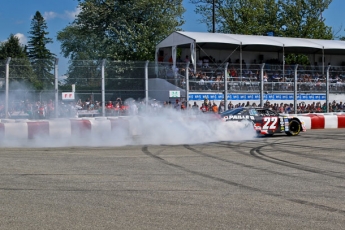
<point>249,43</point>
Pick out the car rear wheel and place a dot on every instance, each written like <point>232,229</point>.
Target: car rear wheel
<point>294,128</point>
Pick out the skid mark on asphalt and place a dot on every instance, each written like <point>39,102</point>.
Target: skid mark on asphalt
<point>228,182</point>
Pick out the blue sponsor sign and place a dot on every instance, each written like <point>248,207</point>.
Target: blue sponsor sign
<point>243,97</point>
<point>234,97</point>
<point>277,97</point>
<point>249,96</point>
<point>212,97</point>
<point>256,96</point>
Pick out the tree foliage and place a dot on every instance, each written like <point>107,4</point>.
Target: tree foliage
<point>287,18</point>
<point>12,48</point>
<point>303,18</point>
<point>20,68</point>
<point>41,58</point>
<point>120,29</point>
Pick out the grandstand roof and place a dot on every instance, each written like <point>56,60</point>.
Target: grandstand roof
<point>252,43</point>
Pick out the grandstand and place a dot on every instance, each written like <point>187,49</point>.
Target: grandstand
<point>211,56</point>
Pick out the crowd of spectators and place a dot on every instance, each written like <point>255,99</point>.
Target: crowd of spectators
<point>89,108</point>
<point>287,108</point>
<point>210,74</point>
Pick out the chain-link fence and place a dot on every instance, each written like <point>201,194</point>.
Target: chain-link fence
<point>97,85</point>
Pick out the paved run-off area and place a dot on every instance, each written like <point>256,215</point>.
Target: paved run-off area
<point>279,182</point>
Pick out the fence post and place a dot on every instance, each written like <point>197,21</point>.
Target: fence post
<point>56,88</point>
<point>327,88</point>
<point>187,85</point>
<point>226,86</point>
<point>262,84</point>
<point>295,90</point>
<point>146,83</point>
<point>103,89</point>
<point>7,85</point>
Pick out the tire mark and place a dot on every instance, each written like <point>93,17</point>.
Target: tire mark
<point>313,157</point>
<point>228,182</point>
<point>256,152</point>
<point>238,150</point>
<point>237,163</point>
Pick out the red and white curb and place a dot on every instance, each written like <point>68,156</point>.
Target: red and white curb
<point>323,121</point>
<point>63,128</point>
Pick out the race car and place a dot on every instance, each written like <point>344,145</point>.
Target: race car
<point>266,121</point>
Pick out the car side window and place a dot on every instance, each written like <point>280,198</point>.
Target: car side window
<point>271,113</point>
<point>262,113</point>
<point>253,112</point>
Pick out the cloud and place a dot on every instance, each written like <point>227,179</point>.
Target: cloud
<point>72,14</point>
<point>22,39</point>
<point>49,15</point>
<point>69,15</point>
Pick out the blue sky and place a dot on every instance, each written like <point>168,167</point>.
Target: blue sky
<point>15,18</point>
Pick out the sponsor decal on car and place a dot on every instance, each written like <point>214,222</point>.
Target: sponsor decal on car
<point>238,117</point>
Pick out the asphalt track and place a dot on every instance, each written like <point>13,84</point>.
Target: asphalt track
<point>279,182</point>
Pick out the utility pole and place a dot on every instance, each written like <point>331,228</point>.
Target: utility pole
<point>213,17</point>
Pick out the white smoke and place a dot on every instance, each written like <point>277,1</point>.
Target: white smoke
<point>155,126</point>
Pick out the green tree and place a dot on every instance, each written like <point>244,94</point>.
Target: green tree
<point>288,18</point>
<point>120,29</point>
<point>255,17</point>
<point>20,67</point>
<point>41,58</point>
<point>12,48</point>
<point>303,18</point>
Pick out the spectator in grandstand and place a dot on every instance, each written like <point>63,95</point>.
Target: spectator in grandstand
<point>97,105</point>
<point>199,63</point>
<point>221,107</point>
<point>324,107</point>
<point>281,108</point>
<point>205,61</point>
<point>214,107</point>
<point>233,73</point>
<point>230,105</point>
<point>202,83</point>
<point>187,59</point>
<point>50,108</point>
<point>318,108</point>
<point>334,106</point>
<point>340,107</point>
<point>205,107</point>
<point>195,106</point>
<point>177,105</point>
